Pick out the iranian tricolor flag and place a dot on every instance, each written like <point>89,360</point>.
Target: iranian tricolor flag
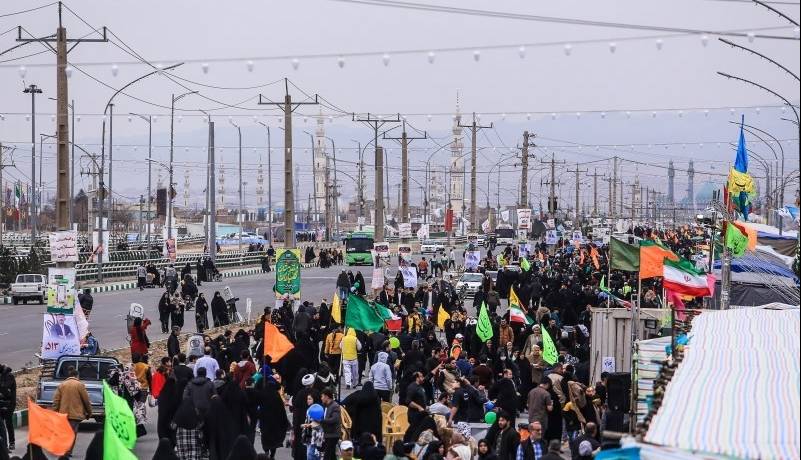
<point>516,313</point>
<point>392,321</point>
<point>681,277</point>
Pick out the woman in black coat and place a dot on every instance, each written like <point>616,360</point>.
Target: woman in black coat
<point>364,408</point>
<point>272,417</point>
<point>361,289</point>
<point>168,402</point>
<point>164,312</point>
<point>219,310</point>
<point>201,313</point>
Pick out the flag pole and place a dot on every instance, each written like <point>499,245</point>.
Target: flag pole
<point>339,370</point>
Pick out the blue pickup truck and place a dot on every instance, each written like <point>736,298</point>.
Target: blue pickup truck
<point>92,370</point>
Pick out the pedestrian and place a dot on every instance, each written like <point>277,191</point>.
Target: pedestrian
<point>140,343</point>
<point>350,346</point>
<point>219,310</point>
<point>532,448</point>
<point>332,349</point>
<point>554,450</point>
<point>8,403</point>
<point>502,436</point>
<point>331,423</point>
<point>272,417</point>
<point>189,441</point>
<point>164,312</point>
<point>364,408</point>
<point>72,399</point>
<point>201,313</point>
<point>141,276</point>
<point>207,362</point>
<point>540,404</point>
<point>343,286</point>
<point>87,302</point>
<point>173,345</point>
<point>177,310</point>
<point>381,377</point>
<point>200,390</point>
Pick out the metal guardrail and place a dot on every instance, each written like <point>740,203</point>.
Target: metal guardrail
<point>88,271</point>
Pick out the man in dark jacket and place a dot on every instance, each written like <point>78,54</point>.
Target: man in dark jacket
<point>173,346</point>
<point>503,438</point>
<point>8,403</point>
<point>200,390</point>
<point>331,423</point>
<point>343,285</point>
<point>504,393</point>
<point>533,448</point>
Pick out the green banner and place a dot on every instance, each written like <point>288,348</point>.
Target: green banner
<point>484,326</point>
<point>287,272</point>
<point>549,353</point>
<point>120,424</point>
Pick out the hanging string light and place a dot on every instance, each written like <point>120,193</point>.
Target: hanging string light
<point>385,59</point>
<point>431,56</point>
<point>521,51</point>
<point>568,49</point>
<point>295,63</point>
<point>115,69</point>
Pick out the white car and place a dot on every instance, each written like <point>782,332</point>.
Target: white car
<point>470,282</point>
<point>431,247</point>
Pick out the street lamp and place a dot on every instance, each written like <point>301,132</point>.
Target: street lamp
<point>336,189</point>
<point>239,213</point>
<point>269,183</point>
<point>314,182</point>
<point>170,210</point>
<point>149,120</point>
<point>33,90</point>
<point>110,105</point>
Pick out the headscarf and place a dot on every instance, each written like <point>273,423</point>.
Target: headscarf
<point>165,451</point>
<point>186,415</point>
<point>242,449</point>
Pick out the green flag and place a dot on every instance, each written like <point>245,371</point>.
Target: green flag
<point>524,264</point>
<point>623,256</point>
<point>549,353</point>
<point>362,316</point>
<point>735,240</point>
<point>484,326</point>
<point>113,448</point>
<point>119,428</point>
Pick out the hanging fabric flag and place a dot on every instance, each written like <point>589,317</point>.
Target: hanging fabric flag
<point>652,256</point>
<point>612,297</point>
<point>524,264</point>
<point>740,185</point>
<point>516,313</point>
<point>336,309</point>
<point>748,231</point>
<point>49,430</point>
<point>514,300</point>
<point>362,316</point>
<point>581,259</point>
<point>276,344</point>
<point>682,278</point>
<point>549,353</point>
<point>120,423</point>
<point>484,326</point>
<point>17,195</point>
<point>623,256</point>
<point>678,304</point>
<point>594,257</point>
<point>734,239</point>
<point>442,316</point>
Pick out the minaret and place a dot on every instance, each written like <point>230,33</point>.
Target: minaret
<point>457,165</point>
<point>671,176</point>
<point>320,163</point>
<point>186,188</point>
<point>690,188</point>
<point>260,185</point>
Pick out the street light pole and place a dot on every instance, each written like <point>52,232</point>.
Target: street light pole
<point>314,182</point>
<point>170,210</point>
<point>336,189</point>
<point>239,213</point>
<point>149,121</point>
<point>269,184</point>
<point>33,90</point>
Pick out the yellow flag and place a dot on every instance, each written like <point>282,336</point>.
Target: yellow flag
<point>442,316</point>
<point>336,310</point>
<point>513,299</point>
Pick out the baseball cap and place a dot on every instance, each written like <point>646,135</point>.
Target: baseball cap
<point>346,445</point>
<point>459,336</point>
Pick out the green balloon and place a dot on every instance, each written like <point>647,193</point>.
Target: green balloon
<point>394,342</point>
<point>490,417</point>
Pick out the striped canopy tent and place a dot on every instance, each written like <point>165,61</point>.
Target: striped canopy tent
<point>737,392</point>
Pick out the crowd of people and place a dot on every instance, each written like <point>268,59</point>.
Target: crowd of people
<point>465,398</point>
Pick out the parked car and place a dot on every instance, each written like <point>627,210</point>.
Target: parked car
<point>431,247</point>
<point>92,370</point>
<point>29,286</point>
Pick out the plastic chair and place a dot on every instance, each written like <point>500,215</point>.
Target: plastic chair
<point>347,423</point>
<point>396,424</point>
<point>385,408</point>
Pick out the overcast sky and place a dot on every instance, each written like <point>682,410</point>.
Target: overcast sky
<point>590,90</point>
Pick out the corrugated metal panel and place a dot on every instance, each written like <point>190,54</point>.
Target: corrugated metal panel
<point>610,335</point>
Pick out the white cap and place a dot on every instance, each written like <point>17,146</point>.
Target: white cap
<point>459,336</point>
<point>345,445</point>
<point>307,380</point>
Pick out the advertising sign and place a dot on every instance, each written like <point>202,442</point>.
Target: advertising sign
<point>61,293</point>
<point>64,246</point>
<point>524,219</point>
<point>59,336</point>
<point>99,247</point>
<point>409,277</point>
<point>287,272</point>
<point>404,230</point>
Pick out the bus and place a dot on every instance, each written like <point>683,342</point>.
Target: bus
<point>358,248</point>
<point>505,235</point>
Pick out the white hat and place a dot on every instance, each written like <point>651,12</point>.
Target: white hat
<point>345,445</point>
<point>459,336</point>
<point>307,380</point>
<point>585,448</point>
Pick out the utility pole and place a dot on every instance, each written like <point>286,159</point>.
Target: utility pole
<point>289,195</point>
<point>613,197</point>
<point>210,190</point>
<point>33,90</point>
<point>552,201</point>
<point>634,188</point>
<point>577,171</point>
<point>376,123</point>
<point>240,214</point>
<point>405,139</point>
<point>524,173</point>
<point>595,177</point>
<point>3,165</point>
<point>474,127</point>
<point>269,183</point>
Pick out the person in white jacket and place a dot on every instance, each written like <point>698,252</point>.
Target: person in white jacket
<point>381,376</point>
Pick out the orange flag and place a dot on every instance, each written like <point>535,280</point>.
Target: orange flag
<point>276,345</point>
<point>749,231</point>
<point>594,256</point>
<point>49,430</point>
<point>581,260</point>
<point>652,257</point>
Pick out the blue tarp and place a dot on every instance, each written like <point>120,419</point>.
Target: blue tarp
<point>749,263</point>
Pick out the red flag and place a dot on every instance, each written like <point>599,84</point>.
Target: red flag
<point>678,304</point>
<point>594,256</point>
